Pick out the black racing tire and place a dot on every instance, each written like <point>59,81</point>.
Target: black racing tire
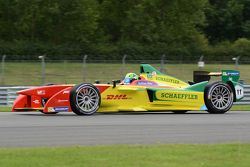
<point>218,97</point>
<point>85,99</point>
<point>180,111</point>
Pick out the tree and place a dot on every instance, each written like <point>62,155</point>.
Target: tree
<point>168,26</point>
<point>52,27</point>
<point>227,20</point>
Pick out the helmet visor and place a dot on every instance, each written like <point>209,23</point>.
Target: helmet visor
<point>127,81</point>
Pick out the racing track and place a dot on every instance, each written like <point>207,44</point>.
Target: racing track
<point>35,129</point>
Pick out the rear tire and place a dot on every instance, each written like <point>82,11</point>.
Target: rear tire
<point>85,99</point>
<point>218,97</point>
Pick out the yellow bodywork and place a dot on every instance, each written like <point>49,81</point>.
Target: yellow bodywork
<point>136,98</point>
<point>169,94</point>
<point>166,80</point>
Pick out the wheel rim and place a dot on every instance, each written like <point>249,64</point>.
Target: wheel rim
<point>87,99</point>
<point>221,97</point>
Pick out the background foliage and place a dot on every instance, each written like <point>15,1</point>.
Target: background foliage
<point>108,29</point>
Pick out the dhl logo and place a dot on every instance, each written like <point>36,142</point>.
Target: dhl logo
<point>117,97</point>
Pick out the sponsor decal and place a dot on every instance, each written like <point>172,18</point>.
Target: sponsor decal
<point>36,101</point>
<point>51,109</point>
<point>40,92</point>
<point>179,96</point>
<point>66,92</point>
<point>61,109</point>
<point>231,73</point>
<point>148,83</point>
<point>239,90</point>
<point>167,80</point>
<point>117,97</point>
<point>62,101</point>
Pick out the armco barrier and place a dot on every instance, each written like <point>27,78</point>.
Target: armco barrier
<point>8,95</point>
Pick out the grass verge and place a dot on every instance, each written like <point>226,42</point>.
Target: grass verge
<point>206,155</point>
<point>5,109</point>
<point>240,108</point>
<point>25,73</point>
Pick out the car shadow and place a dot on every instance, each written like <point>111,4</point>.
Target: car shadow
<point>152,113</point>
<point>70,114</point>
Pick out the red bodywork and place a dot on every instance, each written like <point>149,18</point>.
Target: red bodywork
<point>55,95</point>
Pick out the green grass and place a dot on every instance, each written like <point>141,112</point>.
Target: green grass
<point>23,73</point>
<point>205,155</point>
<point>240,108</point>
<point>5,109</point>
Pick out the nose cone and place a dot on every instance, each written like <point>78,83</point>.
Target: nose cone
<point>28,91</point>
<point>43,91</point>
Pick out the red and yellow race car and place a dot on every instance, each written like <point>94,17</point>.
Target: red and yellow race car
<point>150,91</point>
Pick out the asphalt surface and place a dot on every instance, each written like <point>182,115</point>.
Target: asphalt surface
<point>32,129</point>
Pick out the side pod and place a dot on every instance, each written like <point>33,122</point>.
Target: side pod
<point>59,102</point>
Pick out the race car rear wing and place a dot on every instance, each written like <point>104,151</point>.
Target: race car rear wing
<point>226,75</point>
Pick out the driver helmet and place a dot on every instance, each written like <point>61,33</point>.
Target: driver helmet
<point>130,77</point>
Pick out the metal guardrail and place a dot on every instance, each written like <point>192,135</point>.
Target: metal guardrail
<point>8,95</point>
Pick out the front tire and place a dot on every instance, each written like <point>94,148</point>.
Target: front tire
<point>85,99</point>
<point>218,97</point>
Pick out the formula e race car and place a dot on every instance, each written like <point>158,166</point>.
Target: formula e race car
<point>150,91</point>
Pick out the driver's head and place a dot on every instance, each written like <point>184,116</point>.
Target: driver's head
<point>130,77</point>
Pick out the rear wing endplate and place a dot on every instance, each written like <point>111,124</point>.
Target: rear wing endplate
<point>226,75</point>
